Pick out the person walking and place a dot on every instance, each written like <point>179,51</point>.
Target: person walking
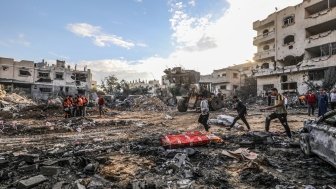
<point>280,112</point>
<point>322,100</point>
<point>101,104</point>
<point>242,112</point>
<point>80,106</point>
<point>333,99</point>
<point>204,116</point>
<point>311,102</point>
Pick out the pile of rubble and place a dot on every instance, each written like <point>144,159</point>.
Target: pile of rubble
<point>145,103</point>
<point>17,99</point>
<point>2,92</point>
<point>13,102</point>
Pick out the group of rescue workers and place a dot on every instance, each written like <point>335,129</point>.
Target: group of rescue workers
<point>75,106</point>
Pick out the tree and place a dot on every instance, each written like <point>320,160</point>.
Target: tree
<point>109,84</point>
<point>125,87</point>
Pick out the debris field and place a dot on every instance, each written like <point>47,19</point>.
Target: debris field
<point>41,149</point>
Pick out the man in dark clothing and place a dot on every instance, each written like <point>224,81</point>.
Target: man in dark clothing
<point>241,109</point>
<point>269,99</point>
<point>204,116</point>
<point>322,99</point>
<point>280,112</point>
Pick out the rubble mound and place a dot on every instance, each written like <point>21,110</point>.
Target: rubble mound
<point>145,103</point>
<point>2,93</point>
<point>17,99</point>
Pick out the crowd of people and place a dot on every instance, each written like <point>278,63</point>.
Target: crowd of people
<point>279,103</point>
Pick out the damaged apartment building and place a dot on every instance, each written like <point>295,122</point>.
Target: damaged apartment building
<point>43,81</point>
<point>295,46</point>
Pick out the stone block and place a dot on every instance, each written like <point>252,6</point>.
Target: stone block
<point>31,182</point>
<point>50,170</point>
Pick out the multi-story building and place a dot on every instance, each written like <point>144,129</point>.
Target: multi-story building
<point>227,80</point>
<point>295,46</point>
<point>42,81</point>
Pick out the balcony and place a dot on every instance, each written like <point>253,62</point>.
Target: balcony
<point>320,39</point>
<point>264,38</point>
<point>266,22</point>
<point>311,3</point>
<point>319,62</point>
<point>264,55</point>
<point>320,17</point>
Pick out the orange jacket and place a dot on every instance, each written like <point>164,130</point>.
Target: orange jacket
<point>80,101</point>
<point>66,103</point>
<point>85,100</point>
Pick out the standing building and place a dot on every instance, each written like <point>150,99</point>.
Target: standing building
<point>227,80</point>
<point>295,46</point>
<point>41,80</point>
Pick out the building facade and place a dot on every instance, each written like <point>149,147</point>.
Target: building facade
<point>41,80</point>
<point>227,80</point>
<point>295,46</point>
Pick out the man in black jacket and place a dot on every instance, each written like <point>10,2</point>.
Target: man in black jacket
<point>241,109</point>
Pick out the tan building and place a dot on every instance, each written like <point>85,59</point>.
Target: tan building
<point>227,80</point>
<point>295,45</point>
<point>42,80</point>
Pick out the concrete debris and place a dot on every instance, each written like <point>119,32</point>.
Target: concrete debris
<point>40,149</point>
<point>50,170</point>
<point>145,103</point>
<point>32,181</point>
<point>240,154</point>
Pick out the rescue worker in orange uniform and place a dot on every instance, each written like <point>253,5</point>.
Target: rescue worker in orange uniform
<point>80,106</point>
<point>66,107</point>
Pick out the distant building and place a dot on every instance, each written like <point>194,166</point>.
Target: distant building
<point>295,46</point>
<point>94,85</point>
<point>227,80</point>
<point>42,81</point>
<point>150,84</point>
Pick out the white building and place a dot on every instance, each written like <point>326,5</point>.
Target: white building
<point>295,45</point>
<point>42,81</point>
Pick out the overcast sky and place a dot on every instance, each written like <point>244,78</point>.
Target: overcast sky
<point>133,38</point>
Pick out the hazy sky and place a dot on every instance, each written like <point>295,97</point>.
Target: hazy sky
<point>133,38</point>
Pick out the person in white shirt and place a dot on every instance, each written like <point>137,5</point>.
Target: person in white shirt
<point>333,99</point>
<point>203,118</point>
<point>286,101</point>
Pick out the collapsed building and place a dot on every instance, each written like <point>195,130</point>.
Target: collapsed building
<point>180,76</point>
<point>42,81</point>
<point>295,46</point>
